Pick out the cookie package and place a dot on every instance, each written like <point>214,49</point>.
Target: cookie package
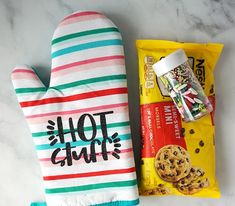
<point>177,157</point>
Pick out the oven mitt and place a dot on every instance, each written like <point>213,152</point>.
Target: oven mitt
<point>80,124</point>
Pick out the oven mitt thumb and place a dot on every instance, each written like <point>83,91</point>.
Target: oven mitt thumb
<point>80,124</point>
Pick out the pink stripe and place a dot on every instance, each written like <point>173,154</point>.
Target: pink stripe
<point>80,19</point>
<point>67,138</point>
<point>20,75</point>
<point>125,154</point>
<point>92,66</point>
<point>97,154</point>
<point>23,71</point>
<point>78,14</point>
<point>78,110</point>
<point>87,61</point>
<point>41,120</point>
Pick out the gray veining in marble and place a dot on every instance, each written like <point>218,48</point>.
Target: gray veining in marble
<point>26,28</point>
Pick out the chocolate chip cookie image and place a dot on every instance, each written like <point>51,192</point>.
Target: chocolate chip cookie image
<point>193,182</point>
<point>172,163</point>
<point>159,190</point>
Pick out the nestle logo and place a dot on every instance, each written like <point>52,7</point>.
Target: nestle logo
<point>199,71</point>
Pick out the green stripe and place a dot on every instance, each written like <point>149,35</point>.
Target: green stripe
<point>118,124</point>
<point>73,84</point>
<point>91,187</point>
<point>77,143</point>
<point>90,81</point>
<point>85,46</point>
<point>38,204</point>
<point>120,203</point>
<point>115,203</point>
<point>83,33</point>
<point>29,90</point>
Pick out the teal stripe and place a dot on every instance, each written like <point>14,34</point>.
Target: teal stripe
<point>115,203</point>
<point>38,204</point>
<point>85,46</point>
<point>84,33</point>
<point>90,81</point>
<point>29,90</point>
<point>91,187</point>
<point>78,143</point>
<point>97,80</point>
<point>119,124</point>
<point>120,203</point>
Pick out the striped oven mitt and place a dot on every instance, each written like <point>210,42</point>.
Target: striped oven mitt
<point>80,124</point>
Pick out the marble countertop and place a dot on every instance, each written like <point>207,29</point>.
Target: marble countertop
<point>26,30</point>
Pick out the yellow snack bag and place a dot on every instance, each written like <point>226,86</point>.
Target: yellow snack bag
<point>177,158</point>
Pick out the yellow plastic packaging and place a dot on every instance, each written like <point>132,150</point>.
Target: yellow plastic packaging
<point>177,158</point>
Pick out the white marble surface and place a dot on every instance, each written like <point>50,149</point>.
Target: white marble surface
<point>26,30</point>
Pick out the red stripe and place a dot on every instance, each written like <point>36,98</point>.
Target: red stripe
<point>89,174</point>
<point>87,95</point>
<point>23,71</point>
<point>85,13</point>
<point>87,61</point>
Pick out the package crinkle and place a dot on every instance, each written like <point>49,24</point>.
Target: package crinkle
<point>177,157</point>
